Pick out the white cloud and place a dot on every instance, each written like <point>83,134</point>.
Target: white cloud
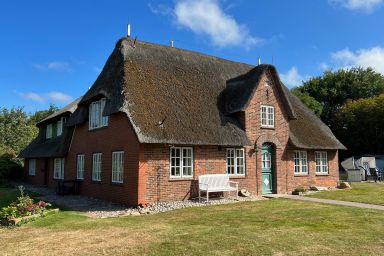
<point>324,66</point>
<point>359,5</point>
<point>207,18</point>
<point>161,9</point>
<point>371,57</point>
<point>293,78</point>
<point>53,96</point>
<point>59,97</point>
<point>54,65</point>
<point>31,96</point>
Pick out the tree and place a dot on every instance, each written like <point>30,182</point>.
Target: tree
<point>334,88</point>
<point>360,125</point>
<point>16,132</point>
<point>311,103</point>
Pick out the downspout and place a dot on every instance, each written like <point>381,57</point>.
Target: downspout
<point>257,171</point>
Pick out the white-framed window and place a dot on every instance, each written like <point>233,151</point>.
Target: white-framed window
<point>235,161</point>
<point>60,124</point>
<point>48,133</point>
<point>32,167</point>
<point>267,116</point>
<point>96,118</point>
<point>321,162</point>
<point>301,162</point>
<point>80,166</point>
<point>58,168</point>
<point>181,162</point>
<point>118,166</point>
<point>96,166</point>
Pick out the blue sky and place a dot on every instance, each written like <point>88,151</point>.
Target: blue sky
<point>52,51</point>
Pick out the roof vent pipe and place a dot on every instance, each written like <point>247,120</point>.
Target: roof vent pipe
<point>129,30</point>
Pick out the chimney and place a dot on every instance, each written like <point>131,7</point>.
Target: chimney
<point>129,30</point>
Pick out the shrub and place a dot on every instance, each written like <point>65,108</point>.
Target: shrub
<point>344,185</point>
<point>299,190</point>
<point>10,167</point>
<point>23,206</point>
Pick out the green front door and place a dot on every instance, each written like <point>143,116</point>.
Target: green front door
<point>267,169</point>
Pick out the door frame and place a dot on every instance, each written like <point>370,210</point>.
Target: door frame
<point>273,178</point>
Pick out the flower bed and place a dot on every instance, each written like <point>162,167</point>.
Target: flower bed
<point>23,210</point>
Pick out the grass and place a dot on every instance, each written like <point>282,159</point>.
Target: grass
<point>271,227</point>
<point>363,192</point>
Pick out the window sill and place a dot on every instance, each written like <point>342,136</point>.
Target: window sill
<point>301,175</point>
<point>181,179</point>
<point>32,175</point>
<point>268,127</point>
<point>97,129</point>
<point>322,174</point>
<point>237,176</point>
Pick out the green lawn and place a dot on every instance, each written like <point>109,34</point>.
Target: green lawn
<point>270,227</point>
<point>371,193</point>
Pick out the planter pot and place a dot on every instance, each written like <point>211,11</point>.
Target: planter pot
<point>15,221</point>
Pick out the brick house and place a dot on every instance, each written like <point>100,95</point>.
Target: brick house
<point>157,117</point>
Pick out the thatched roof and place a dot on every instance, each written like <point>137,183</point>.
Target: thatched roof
<point>55,147</point>
<point>176,96</point>
<point>70,108</point>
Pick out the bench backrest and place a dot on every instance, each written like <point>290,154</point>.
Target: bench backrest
<point>215,180</point>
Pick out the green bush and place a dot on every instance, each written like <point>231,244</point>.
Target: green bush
<point>10,167</point>
<point>299,190</point>
<point>23,206</point>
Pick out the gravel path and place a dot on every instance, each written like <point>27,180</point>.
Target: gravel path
<point>97,208</point>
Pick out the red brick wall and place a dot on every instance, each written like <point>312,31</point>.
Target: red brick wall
<point>118,136</point>
<point>38,178</point>
<point>146,166</point>
<point>313,179</point>
<point>154,160</point>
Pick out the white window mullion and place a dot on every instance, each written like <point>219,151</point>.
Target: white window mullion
<point>300,162</point>
<point>181,162</point>
<point>32,167</point>
<point>235,161</point>
<point>118,166</point>
<point>267,114</point>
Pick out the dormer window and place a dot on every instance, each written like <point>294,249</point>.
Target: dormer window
<point>96,118</point>
<point>60,126</point>
<point>49,131</point>
<point>267,116</point>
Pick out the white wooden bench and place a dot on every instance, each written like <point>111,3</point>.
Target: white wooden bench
<point>217,183</point>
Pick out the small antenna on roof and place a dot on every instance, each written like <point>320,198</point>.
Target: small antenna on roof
<point>258,61</point>
<point>172,43</point>
<point>129,30</point>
